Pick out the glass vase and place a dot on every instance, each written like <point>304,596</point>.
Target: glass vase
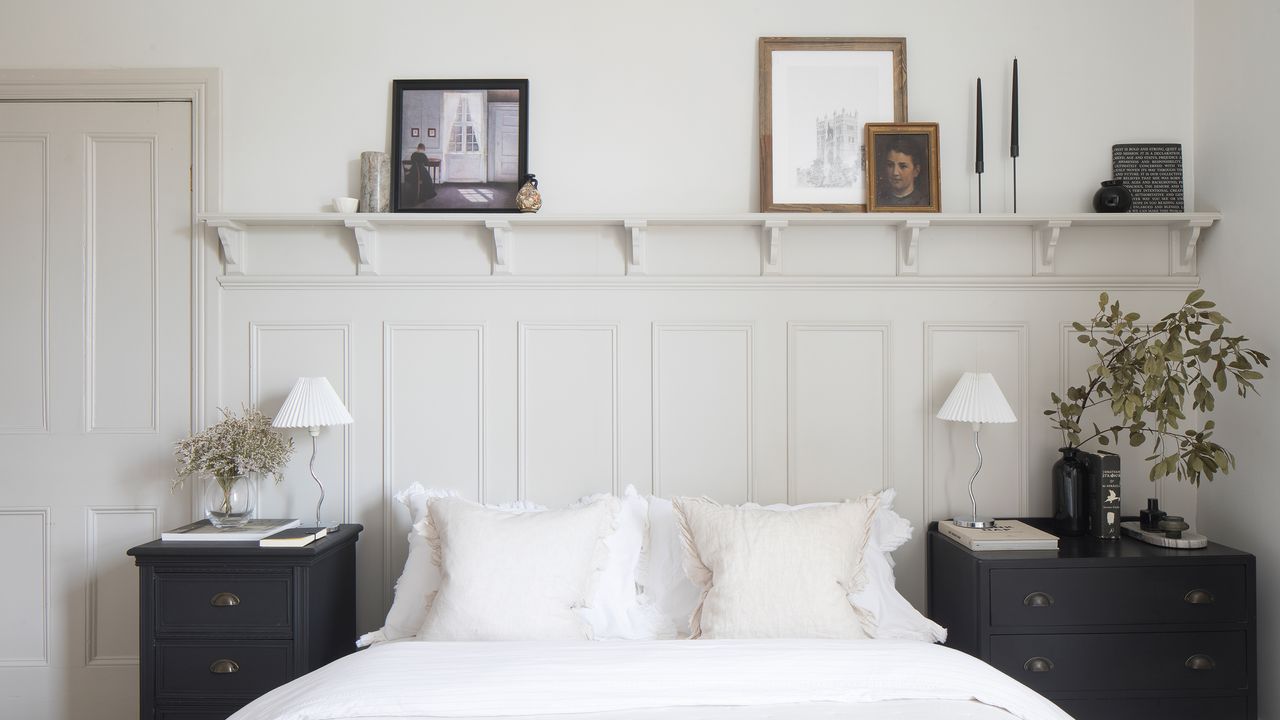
<point>229,500</point>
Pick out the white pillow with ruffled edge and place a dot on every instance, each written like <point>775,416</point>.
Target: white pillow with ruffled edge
<point>618,610</point>
<point>887,613</point>
<point>420,577</point>
<point>511,576</point>
<point>766,574</point>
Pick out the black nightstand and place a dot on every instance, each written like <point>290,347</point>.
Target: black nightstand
<point>224,622</point>
<point>1106,630</point>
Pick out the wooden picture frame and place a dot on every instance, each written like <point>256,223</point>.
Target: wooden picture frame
<point>475,150</point>
<point>816,94</point>
<point>903,166</point>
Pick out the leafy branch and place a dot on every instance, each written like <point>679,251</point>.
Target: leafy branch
<point>1144,375</point>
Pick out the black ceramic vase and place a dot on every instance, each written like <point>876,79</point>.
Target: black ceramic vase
<point>1112,197</point>
<point>1070,479</point>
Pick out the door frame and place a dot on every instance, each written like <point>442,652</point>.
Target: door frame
<point>202,87</point>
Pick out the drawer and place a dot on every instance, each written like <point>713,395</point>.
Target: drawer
<point>1123,661</point>
<point>229,670</point>
<point>1202,708</point>
<point>224,602</point>
<point>188,714</point>
<point>1118,596</point>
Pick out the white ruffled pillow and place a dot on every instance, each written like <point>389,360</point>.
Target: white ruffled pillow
<point>887,614</point>
<point>766,574</point>
<point>511,576</point>
<point>420,577</point>
<point>617,609</point>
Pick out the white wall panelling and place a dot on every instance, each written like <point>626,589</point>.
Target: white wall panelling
<point>952,348</point>
<point>838,424</point>
<point>122,286</point>
<point>568,411</point>
<point>703,419</point>
<point>433,424</point>
<point>280,353</point>
<point>24,205</point>
<point>24,625</point>
<point>111,635</point>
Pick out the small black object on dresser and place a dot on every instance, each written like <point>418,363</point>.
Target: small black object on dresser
<point>224,622</point>
<point>1107,629</point>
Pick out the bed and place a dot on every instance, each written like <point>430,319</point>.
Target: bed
<point>537,614</point>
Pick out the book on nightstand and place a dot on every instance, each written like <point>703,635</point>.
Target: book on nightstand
<point>1004,535</point>
<point>294,537</point>
<point>205,531</point>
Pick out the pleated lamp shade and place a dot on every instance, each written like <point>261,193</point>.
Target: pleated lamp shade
<point>977,399</point>
<point>312,403</point>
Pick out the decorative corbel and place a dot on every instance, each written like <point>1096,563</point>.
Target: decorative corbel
<point>908,254</point>
<point>638,235</point>
<point>1184,240</point>
<point>1047,235</point>
<point>366,245</point>
<point>502,241</point>
<point>233,237</point>
<point>772,254</point>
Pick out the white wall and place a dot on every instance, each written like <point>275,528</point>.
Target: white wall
<point>1237,150</point>
<point>624,95</point>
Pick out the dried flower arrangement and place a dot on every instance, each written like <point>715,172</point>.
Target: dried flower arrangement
<point>234,446</point>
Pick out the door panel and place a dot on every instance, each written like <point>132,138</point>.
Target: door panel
<point>95,308</point>
<point>504,139</point>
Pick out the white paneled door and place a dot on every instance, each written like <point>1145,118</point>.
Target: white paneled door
<point>95,361</point>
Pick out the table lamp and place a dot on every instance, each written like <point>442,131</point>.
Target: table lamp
<point>312,404</point>
<point>976,399</point>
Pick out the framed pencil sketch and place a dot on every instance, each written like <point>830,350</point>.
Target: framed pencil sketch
<point>903,167</point>
<point>475,149</point>
<point>816,96</point>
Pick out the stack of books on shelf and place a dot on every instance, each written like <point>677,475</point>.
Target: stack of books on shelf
<point>266,532</point>
<point>1004,535</point>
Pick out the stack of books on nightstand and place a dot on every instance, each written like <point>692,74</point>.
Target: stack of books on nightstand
<point>1004,535</point>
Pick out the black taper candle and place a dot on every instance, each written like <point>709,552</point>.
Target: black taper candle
<point>1013,125</point>
<point>977,145</point>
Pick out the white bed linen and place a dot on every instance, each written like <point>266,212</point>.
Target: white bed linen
<point>407,679</point>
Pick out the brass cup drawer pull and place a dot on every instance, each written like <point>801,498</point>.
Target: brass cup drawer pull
<point>224,599</point>
<point>1039,665</point>
<point>1198,597</point>
<point>1200,661</point>
<point>226,667</point>
<point>1038,599</point>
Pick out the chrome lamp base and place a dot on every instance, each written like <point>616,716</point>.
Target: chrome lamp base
<point>973,522</point>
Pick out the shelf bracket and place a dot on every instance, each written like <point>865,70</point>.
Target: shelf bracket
<point>1047,235</point>
<point>1184,238</point>
<point>638,231</point>
<point>366,246</point>
<point>908,254</point>
<point>772,264</point>
<point>233,237</point>
<point>502,241</point>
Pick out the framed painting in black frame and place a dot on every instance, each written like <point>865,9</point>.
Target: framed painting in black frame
<point>902,160</point>
<point>815,96</point>
<point>471,148</point>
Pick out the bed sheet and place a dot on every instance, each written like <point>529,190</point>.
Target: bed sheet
<point>738,679</point>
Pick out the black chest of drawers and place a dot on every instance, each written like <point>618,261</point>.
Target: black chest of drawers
<point>224,622</point>
<point>1107,630</point>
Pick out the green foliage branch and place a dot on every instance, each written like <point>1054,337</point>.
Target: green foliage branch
<point>1144,375</point>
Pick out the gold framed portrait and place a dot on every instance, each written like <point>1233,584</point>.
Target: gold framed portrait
<point>902,167</point>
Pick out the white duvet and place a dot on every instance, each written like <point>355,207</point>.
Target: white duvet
<point>743,678</point>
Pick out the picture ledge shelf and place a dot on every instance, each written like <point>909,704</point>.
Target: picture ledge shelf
<point>1184,231</point>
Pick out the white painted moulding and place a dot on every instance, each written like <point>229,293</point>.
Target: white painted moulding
<point>1047,232</point>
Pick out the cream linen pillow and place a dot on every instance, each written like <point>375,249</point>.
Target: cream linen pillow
<point>766,574</point>
<point>511,576</point>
